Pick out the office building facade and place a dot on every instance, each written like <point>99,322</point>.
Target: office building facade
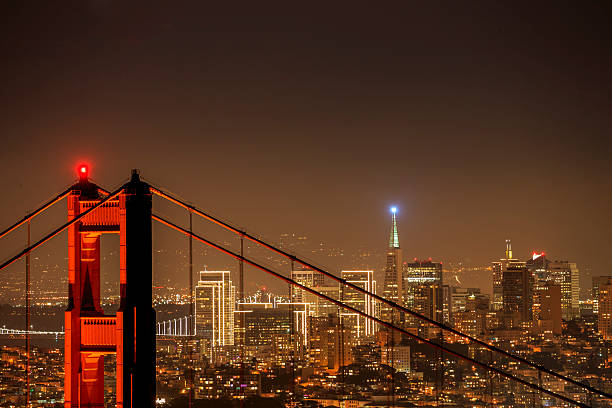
<point>215,298</point>
<point>360,325</point>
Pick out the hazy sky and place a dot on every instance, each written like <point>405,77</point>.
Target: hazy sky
<point>482,121</point>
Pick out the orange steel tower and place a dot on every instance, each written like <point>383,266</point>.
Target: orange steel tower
<point>89,333</point>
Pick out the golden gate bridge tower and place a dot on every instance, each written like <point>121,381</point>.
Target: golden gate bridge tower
<point>89,333</point>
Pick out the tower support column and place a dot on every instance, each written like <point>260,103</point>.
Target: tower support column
<point>136,312</point>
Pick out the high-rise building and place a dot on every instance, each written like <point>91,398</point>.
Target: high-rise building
<point>262,330</point>
<point>393,284</point>
<point>427,300</point>
<point>517,290</point>
<point>328,344</point>
<point>421,272</point>
<point>539,266</point>
<point>314,280</point>
<point>264,324</point>
<point>472,319</point>
<point>308,278</point>
<point>599,281</point>
<point>360,325</point>
<point>322,307</point>
<point>459,298</point>
<point>498,268</point>
<point>567,275</point>
<point>604,318</point>
<point>299,313</point>
<point>478,301</point>
<point>423,290</point>
<point>446,304</point>
<point>424,294</point>
<point>270,329</point>
<point>215,298</point>
<point>563,273</point>
<point>547,307</point>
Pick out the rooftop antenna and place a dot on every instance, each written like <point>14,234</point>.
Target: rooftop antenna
<point>508,249</point>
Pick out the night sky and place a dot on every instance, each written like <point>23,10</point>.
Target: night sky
<point>482,121</point>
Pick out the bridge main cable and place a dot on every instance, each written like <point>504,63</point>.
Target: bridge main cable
<point>366,315</point>
<point>33,214</point>
<point>374,296</point>
<point>60,229</point>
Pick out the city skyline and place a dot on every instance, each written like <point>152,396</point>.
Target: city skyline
<point>305,205</point>
<point>171,266</point>
<point>451,104</point>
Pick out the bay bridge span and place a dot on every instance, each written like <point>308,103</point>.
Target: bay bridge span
<point>182,327</point>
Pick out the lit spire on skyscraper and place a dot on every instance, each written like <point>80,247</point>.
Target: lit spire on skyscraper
<point>394,236</point>
<point>393,288</point>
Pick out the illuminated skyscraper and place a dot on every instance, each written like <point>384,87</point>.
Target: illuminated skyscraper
<point>539,266</point>
<point>563,273</point>
<point>599,281</point>
<point>547,307</point>
<point>498,268</point>
<point>468,300</point>
<point>264,326</point>
<point>604,317</point>
<point>567,275</point>
<point>393,285</point>
<point>423,293</point>
<point>421,272</point>
<point>365,303</point>
<point>329,340</point>
<point>215,300</point>
<point>260,311</point>
<point>309,279</point>
<point>322,307</point>
<point>471,318</point>
<point>517,290</point>
<point>314,280</point>
<point>423,288</point>
<point>268,330</point>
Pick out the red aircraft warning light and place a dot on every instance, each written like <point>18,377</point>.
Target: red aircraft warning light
<point>83,171</point>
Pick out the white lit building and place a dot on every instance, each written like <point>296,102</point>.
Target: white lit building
<point>360,325</point>
<point>215,297</point>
